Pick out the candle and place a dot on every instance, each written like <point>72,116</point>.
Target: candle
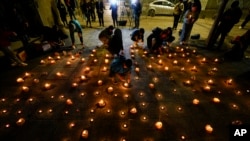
<point>125,125</point>
<point>95,60</point>
<point>106,61</point>
<point>229,81</point>
<point>85,134</point>
<point>196,101</point>
<point>25,89</point>
<point>210,82</point>
<point>137,69</point>
<point>83,78</point>
<point>93,51</point>
<point>72,57</point>
<point>175,62</point>
<point>36,80</point>
<point>110,89</point>
<point>27,74</point>
<point>166,68</point>
<point>216,60</point>
<point>125,84</point>
<point>216,100</point>
<point>68,63</point>
<point>99,82</point>
<point>74,85</point>
<point>206,88</point>
<point>187,82</point>
<point>87,69</point>
<point>69,102</point>
<point>52,61</point>
<point>151,85</point>
<point>83,60</point>
<point>58,57</point>
<point>42,62</point>
<point>160,62</point>
<point>20,121</point>
<point>104,69</point>
<point>101,103</point>
<point>50,58</point>
<point>188,61</point>
<point>47,86</point>
<point>203,60</point>
<point>20,80</point>
<point>158,125</point>
<point>122,113</point>
<point>58,74</point>
<point>150,66</point>
<point>194,69</point>
<point>133,110</point>
<point>208,128</point>
<point>170,55</point>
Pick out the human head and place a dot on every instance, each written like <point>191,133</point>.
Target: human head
<point>235,4</point>
<point>142,31</point>
<point>104,38</point>
<point>128,63</point>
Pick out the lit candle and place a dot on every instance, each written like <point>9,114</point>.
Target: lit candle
<point>20,121</point>
<point>95,60</point>
<point>83,78</point>
<point>58,74</point>
<point>93,51</point>
<point>187,82</point>
<point>47,86</point>
<point>194,69</point>
<point>83,60</point>
<point>85,134</point>
<point>216,60</point>
<point>196,101</point>
<point>206,88</point>
<point>110,89</point>
<point>68,63</point>
<point>188,61</point>
<point>175,62</point>
<point>99,82</point>
<point>122,113</point>
<point>125,84</point>
<point>106,61</point>
<point>170,55</point>
<point>72,57</point>
<point>158,125</point>
<point>52,61</point>
<point>137,69</point>
<point>87,69</point>
<point>151,85</point>
<point>20,80</point>
<point>166,68</point>
<point>58,57</point>
<point>150,66</point>
<point>229,81</point>
<point>125,125</point>
<point>101,103</point>
<point>104,69</point>
<point>210,82</point>
<point>36,80</point>
<point>133,110</point>
<point>216,100</point>
<point>42,62</point>
<point>208,128</point>
<point>74,85</point>
<point>69,102</point>
<point>27,74</point>
<point>50,58</point>
<point>160,62</point>
<point>203,60</point>
<point>25,89</point>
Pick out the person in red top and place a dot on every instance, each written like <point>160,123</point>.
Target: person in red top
<point>5,47</point>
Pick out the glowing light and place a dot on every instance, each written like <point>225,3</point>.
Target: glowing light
<point>99,82</point>
<point>20,121</point>
<point>158,125</point>
<point>208,128</point>
<point>196,101</point>
<point>20,80</point>
<point>85,134</point>
<point>69,102</point>
<point>101,103</point>
<point>133,110</point>
<point>47,86</point>
<point>110,89</point>
<point>25,89</point>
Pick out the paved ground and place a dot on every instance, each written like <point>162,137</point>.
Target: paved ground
<point>159,94</point>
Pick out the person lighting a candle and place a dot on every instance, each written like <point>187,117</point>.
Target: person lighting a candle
<point>120,67</point>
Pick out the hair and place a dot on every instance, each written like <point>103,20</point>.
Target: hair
<point>235,4</point>
<point>111,27</point>
<point>128,63</point>
<point>142,30</point>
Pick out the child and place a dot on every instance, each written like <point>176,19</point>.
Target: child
<point>121,68</point>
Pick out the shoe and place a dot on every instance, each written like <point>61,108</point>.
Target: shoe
<point>240,27</point>
<point>22,64</point>
<point>14,64</point>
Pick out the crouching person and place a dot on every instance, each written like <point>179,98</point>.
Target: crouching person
<point>120,68</point>
<point>137,36</point>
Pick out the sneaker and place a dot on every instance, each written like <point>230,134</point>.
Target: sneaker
<point>240,27</point>
<point>14,64</point>
<point>22,64</point>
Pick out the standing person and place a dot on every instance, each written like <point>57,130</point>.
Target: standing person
<point>178,9</point>
<point>5,47</point>
<point>120,67</point>
<point>228,19</point>
<point>137,36</point>
<point>116,43</point>
<point>92,12</point>
<point>246,20</point>
<point>63,12</point>
<point>190,18</point>
<point>114,14</point>
<point>137,9</point>
<point>74,26</point>
<point>71,8</point>
<point>20,26</point>
<point>88,13</point>
<point>100,11</point>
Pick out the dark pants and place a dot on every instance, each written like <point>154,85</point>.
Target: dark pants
<point>176,21</point>
<point>114,18</point>
<point>137,20</point>
<point>100,18</point>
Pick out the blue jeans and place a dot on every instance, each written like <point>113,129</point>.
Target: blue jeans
<point>186,31</point>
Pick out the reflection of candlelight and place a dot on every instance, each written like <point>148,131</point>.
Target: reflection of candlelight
<point>209,128</point>
<point>158,125</point>
<point>19,80</point>
<point>25,89</point>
